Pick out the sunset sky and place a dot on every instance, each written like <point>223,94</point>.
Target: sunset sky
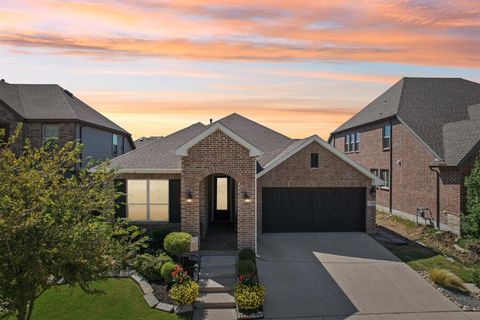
<point>299,67</point>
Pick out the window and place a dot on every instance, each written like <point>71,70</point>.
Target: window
<point>357,141</point>
<point>352,142</point>
<point>114,144</point>
<point>374,171</point>
<point>4,132</point>
<point>385,176</point>
<point>387,128</point>
<point>147,200</point>
<point>347,143</point>
<point>314,160</point>
<point>222,194</point>
<point>50,132</point>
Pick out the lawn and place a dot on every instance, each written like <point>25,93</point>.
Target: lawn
<point>122,299</point>
<point>423,259</point>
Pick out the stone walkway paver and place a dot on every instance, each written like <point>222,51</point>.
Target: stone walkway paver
<point>217,279</point>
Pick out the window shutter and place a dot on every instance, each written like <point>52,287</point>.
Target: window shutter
<point>174,200</point>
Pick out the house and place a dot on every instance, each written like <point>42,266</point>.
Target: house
<point>140,142</point>
<point>421,137</point>
<point>48,111</point>
<point>247,179</point>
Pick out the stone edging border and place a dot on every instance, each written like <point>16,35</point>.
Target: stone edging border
<point>147,290</point>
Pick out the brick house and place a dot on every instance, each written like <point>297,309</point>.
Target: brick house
<point>47,111</point>
<point>421,137</point>
<point>229,180</point>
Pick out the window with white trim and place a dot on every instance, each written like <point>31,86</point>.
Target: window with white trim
<point>114,144</point>
<point>386,133</point>
<point>147,200</point>
<point>357,141</point>
<point>347,143</point>
<point>352,142</point>
<point>385,176</point>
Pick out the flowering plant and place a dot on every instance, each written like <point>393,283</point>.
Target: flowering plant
<point>180,276</point>
<point>248,279</point>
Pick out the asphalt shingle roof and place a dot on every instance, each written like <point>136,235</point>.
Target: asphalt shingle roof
<point>51,102</point>
<point>140,142</point>
<point>158,154</point>
<point>161,154</point>
<point>426,106</point>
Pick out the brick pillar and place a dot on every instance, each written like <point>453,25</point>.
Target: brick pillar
<point>246,216</point>
<point>190,210</point>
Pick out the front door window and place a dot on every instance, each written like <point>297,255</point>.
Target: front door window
<point>222,205</point>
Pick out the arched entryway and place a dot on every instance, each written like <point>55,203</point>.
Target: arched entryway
<point>218,212</point>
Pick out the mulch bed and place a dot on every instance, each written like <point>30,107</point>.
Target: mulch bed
<point>160,291</point>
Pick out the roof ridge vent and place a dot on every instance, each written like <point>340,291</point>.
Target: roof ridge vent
<point>69,93</point>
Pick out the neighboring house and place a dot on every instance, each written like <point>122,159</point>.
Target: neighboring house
<point>421,137</point>
<point>239,173</point>
<point>48,111</point>
<point>140,142</point>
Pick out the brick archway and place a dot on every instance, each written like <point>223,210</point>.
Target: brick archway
<point>219,154</point>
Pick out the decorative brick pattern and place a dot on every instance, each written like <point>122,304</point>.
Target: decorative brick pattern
<point>332,172</point>
<point>218,154</point>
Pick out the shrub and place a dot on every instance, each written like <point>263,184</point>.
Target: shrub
<point>150,266</point>
<point>245,267</point>
<point>471,219</point>
<point>157,236</point>
<point>476,278</point>
<point>177,243</point>
<point>167,270</point>
<point>247,254</point>
<point>249,297</point>
<point>184,293</point>
<point>248,279</point>
<point>447,279</point>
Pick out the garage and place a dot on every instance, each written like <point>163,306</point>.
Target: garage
<point>308,209</point>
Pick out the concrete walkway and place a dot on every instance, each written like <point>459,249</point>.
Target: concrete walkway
<point>338,276</point>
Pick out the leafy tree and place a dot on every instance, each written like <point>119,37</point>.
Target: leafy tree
<point>57,224</point>
<point>471,220</point>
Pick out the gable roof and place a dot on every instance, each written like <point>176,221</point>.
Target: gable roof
<point>158,156</point>
<point>140,142</point>
<point>301,144</point>
<point>426,105</point>
<point>52,102</point>
<point>183,149</point>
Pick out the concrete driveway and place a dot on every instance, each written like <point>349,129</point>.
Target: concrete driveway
<point>339,276</point>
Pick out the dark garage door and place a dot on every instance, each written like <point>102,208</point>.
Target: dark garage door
<point>313,209</point>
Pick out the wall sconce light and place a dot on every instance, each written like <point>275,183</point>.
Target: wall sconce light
<point>189,197</point>
<point>246,198</point>
<point>373,190</point>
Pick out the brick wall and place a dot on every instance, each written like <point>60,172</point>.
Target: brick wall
<point>413,183</point>
<point>332,172</point>
<point>34,132</point>
<point>219,154</point>
<point>370,155</point>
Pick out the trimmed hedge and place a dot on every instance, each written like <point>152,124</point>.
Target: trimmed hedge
<point>177,243</point>
<point>167,270</point>
<point>247,254</point>
<point>246,267</point>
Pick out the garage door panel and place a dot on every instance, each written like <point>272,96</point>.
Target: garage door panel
<point>313,209</point>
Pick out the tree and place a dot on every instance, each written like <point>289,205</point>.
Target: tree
<point>471,220</point>
<point>57,224</point>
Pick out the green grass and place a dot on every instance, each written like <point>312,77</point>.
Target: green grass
<point>424,259</point>
<point>122,299</point>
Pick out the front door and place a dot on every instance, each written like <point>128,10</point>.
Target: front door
<point>221,199</point>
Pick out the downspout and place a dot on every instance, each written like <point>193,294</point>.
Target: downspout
<point>437,204</point>
<point>391,166</point>
<point>80,138</point>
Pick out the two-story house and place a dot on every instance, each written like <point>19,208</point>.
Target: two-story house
<point>421,137</point>
<point>48,111</point>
